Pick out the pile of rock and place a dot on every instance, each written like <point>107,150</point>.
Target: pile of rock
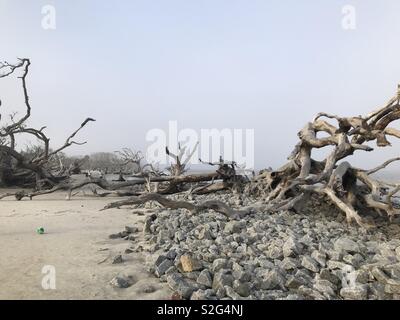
<point>270,256</point>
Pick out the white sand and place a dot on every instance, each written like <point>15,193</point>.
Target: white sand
<point>76,242</point>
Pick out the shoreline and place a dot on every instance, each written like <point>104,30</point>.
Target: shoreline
<point>76,243</point>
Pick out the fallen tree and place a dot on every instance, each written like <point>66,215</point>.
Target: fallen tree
<point>351,189</point>
<point>215,205</point>
<point>118,187</point>
<point>17,168</point>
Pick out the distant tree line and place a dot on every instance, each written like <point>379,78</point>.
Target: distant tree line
<point>106,162</point>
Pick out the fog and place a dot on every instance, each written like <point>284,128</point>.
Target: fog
<point>263,65</point>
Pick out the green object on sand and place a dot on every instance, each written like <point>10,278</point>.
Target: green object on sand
<point>40,230</point>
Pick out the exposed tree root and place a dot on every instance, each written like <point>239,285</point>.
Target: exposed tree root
<point>351,189</point>
<point>115,187</point>
<point>13,161</point>
<point>354,191</point>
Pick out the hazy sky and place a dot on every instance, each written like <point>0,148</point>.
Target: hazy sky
<point>258,64</point>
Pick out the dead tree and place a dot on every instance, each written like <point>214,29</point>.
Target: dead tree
<point>135,159</point>
<point>351,189</point>
<point>215,205</point>
<point>165,184</point>
<point>36,169</point>
<point>179,165</point>
<point>229,179</point>
<point>117,187</point>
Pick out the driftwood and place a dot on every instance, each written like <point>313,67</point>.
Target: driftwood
<point>354,191</point>
<point>115,187</point>
<point>215,205</point>
<point>351,189</point>
<point>38,170</point>
<point>39,166</point>
<point>135,158</point>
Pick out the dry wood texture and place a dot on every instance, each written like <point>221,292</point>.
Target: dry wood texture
<point>352,190</point>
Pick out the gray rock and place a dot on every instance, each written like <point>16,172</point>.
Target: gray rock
<point>326,288</point>
<point>291,247</point>
<point>305,275</point>
<point>387,251</point>
<point>272,280</point>
<point>131,237</point>
<point>236,267</point>
<point>205,278</point>
<point>180,236</point>
<point>354,260</point>
<point>130,230</point>
<point>242,275</point>
<point>163,267</point>
<point>121,282</point>
<point>242,249</point>
<point>335,255</point>
<point>323,247</point>
<point>320,257</point>
<point>220,293</point>
<point>361,276</point>
<point>163,237</point>
<point>204,233</point>
<point>264,263</point>
<point>117,235</point>
<point>347,245</point>
<point>382,260</point>
<point>117,259</point>
<point>183,287</point>
<point>310,293</point>
<point>160,259</point>
<point>326,274</point>
<point>233,227</point>
<point>397,251</point>
<point>372,246</point>
<point>198,295</point>
<point>171,254</point>
<point>219,264</point>
<point>170,270</point>
<point>294,282</point>
<point>243,289</point>
<point>332,264</point>
<point>221,279</point>
<point>147,223</point>
<point>307,240</point>
<point>377,291</point>
<point>148,288</point>
<point>310,264</point>
<point>289,264</point>
<point>191,275</point>
<point>392,270</point>
<point>293,296</point>
<point>359,292</point>
<point>379,275</point>
<point>274,252</point>
<point>392,286</point>
<point>231,293</point>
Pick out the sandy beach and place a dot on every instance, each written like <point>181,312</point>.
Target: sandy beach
<point>218,151</point>
<point>76,243</point>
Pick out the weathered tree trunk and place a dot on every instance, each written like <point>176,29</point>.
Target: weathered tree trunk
<point>347,187</point>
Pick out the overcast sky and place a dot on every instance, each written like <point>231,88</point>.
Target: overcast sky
<point>256,64</point>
